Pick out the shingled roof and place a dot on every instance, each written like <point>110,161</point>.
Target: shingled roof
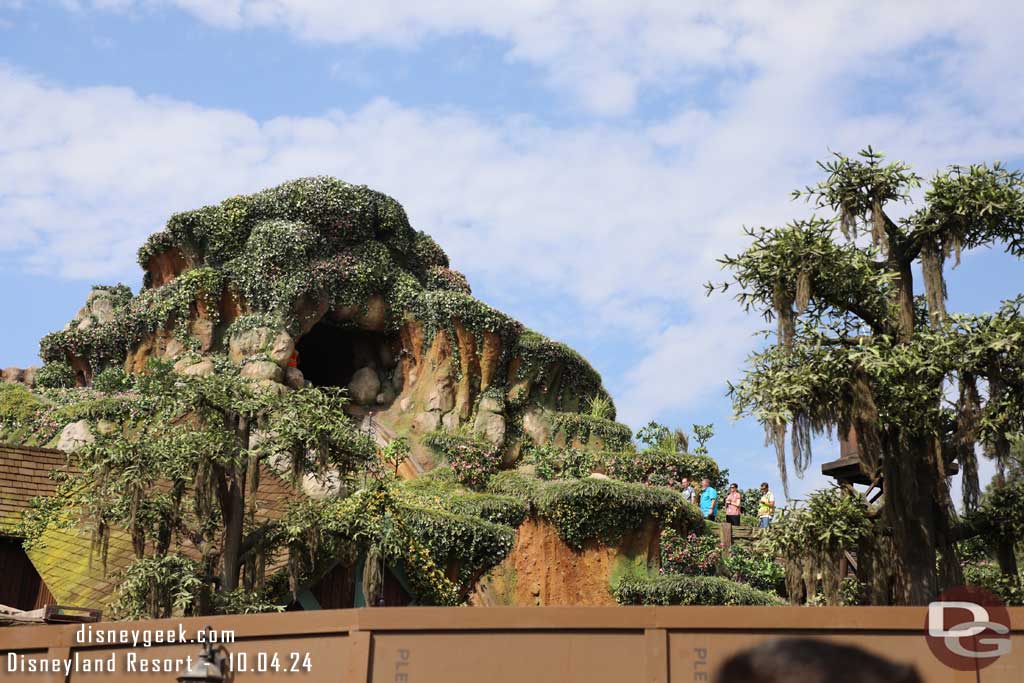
<point>75,574</point>
<point>24,474</point>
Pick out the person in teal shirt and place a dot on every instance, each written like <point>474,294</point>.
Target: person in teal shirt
<point>708,499</point>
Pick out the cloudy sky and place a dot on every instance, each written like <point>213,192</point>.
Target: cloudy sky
<point>584,162</point>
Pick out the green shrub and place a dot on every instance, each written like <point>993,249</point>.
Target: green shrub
<point>830,523</point>
<point>18,405</point>
<point>440,489</point>
<point>690,554</point>
<point>111,381</point>
<point>689,590</point>
<point>582,427</point>
<point>662,469</point>
<point>55,375</point>
<point>474,545</point>
<point>554,462</point>
<point>853,593</point>
<point>601,407</point>
<point>472,458</point>
<point>756,568</point>
<point>598,509</point>
<point>176,578</point>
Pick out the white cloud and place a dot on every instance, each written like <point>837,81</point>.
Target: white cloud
<point>607,52</point>
<point>617,221</point>
<point>685,362</point>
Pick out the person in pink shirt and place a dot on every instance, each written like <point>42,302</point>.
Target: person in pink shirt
<point>733,505</point>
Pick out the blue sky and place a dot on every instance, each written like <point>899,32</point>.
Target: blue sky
<point>583,163</point>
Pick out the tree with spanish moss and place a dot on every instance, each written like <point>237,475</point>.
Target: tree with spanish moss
<point>856,347</point>
<point>177,468</point>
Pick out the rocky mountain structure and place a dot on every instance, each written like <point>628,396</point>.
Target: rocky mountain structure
<point>324,282</point>
<point>319,282</point>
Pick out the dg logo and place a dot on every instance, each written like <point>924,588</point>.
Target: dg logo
<point>968,628</point>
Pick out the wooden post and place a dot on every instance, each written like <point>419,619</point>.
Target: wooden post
<point>725,534</point>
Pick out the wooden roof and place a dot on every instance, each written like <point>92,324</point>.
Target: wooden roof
<point>24,474</point>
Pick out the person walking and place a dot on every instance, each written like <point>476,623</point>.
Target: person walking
<point>765,507</point>
<point>688,493</point>
<point>708,499</point>
<point>733,505</point>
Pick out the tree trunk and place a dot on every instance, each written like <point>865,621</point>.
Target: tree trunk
<point>233,510</point>
<point>1007,559</point>
<point>874,561</point>
<point>234,518</point>
<point>917,509</point>
<point>905,299</point>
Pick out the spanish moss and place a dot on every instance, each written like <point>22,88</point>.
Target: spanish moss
<point>847,223</point>
<point>878,235</point>
<point>775,435</point>
<point>800,438</point>
<point>932,259</point>
<point>968,415</point>
<point>786,318</point>
<point>803,290</point>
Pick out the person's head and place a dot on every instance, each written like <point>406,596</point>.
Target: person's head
<point>734,486</point>
<point>764,487</point>
<point>705,483</point>
<point>812,661</point>
<point>686,482</point>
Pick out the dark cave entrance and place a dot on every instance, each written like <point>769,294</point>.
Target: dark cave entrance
<point>331,354</point>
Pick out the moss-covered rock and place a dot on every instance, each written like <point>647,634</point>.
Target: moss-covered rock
<point>318,263</point>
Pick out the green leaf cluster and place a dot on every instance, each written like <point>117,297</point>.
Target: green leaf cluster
<point>690,590</point>
<point>597,509</point>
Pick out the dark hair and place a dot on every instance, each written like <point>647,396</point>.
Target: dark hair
<point>734,485</point>
<point>812,661</point>
<point>764,484</point>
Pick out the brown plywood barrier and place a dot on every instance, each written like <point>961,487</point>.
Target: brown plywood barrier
<point>537,645</point>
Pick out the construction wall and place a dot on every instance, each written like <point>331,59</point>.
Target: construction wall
<point>470,645</point>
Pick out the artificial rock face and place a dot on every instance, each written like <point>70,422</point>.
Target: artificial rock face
<point>322,282</point>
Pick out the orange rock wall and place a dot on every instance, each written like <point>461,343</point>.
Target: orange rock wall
<point>543,570</point>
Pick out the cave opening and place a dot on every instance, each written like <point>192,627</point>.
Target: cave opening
<point>331,355</point>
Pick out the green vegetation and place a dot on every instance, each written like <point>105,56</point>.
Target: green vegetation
<point>690,554</point>
<point>440,489</point>
<point>278,255</point>
<point>549,362</point>
<point>24,417</point>
<point>856,349</point>
<point>169,307</point>
<point>690,590</point>
<point>554,462</point>
<point>111,381</point>
<point>18,405</point>
<point>55,374</point>
<point>663,469</point>
<point>597,509</point>
<point>471,458</point>
<point>186,475</point>
<point>583,427</point>
<point>757,568</point>
<point>813,539</point>
<point>402,526</point>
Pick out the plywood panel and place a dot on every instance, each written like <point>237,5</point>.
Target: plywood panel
<point>507,657</point>
<point>694,657</point>
<point>253,660</point>
<point>1009,667</point>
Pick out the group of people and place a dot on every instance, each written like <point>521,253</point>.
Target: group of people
<point>707,499</point>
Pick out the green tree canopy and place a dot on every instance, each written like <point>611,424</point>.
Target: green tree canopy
<point>178,469</point>
<point>856,347</point>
